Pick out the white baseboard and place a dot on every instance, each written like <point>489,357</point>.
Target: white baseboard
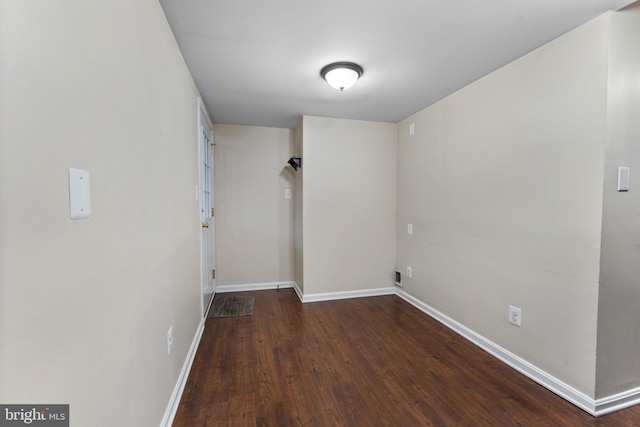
<point>298,291</point>
<point>594,407</point>
<point>260,287</point>
<point>254,287</point>
<point>348,294</point>
<point>306,297</point>
<point>618,401</point>
<point>174,402</point>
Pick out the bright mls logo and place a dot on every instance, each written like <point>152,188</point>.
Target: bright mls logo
<point>34,415</point>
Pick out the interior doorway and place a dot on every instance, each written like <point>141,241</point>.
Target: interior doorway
<point>207,207</point>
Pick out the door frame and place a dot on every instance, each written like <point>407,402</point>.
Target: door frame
<point>204,119</point>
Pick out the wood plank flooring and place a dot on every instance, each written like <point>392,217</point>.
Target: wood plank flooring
<point>361,362</point>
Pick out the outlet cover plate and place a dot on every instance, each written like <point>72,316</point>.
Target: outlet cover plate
<point>515,315</point>
<point>170,340</point>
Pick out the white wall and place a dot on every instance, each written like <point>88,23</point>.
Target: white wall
<point>85,305</point>
<point>618,314</point>
<point>349,204</point>
<point>502,182</point>
<point>254,221</point>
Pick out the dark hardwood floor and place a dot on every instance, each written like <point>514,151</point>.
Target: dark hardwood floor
<point>361,362</point>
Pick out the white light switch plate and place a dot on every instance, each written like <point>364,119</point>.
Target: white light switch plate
<point>623,179</point>
<point>79,194</point>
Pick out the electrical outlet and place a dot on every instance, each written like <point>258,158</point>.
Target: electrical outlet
<point>515,315</point>
<point>409,272</point>
<point>170,340</point>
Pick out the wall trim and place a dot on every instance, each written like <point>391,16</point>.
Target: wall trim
<point>562,389</point>
<point>176,396</point>
<point>330,296</point>
<point>618,401</point>
<point>254,287</point>
<point>298,291</point>
<point>546,380</point>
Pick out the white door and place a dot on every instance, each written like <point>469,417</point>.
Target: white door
<point>207,211</point>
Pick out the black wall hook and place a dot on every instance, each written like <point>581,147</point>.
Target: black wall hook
<point>295,162</point>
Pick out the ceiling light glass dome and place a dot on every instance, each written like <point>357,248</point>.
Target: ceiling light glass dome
<point>341,75</point>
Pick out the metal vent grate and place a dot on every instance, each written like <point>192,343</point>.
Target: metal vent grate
<point>398,277</point>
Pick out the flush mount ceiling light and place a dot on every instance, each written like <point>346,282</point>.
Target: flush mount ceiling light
<point>341,75</point>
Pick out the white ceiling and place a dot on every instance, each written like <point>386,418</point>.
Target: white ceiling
<point>257,62</point>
